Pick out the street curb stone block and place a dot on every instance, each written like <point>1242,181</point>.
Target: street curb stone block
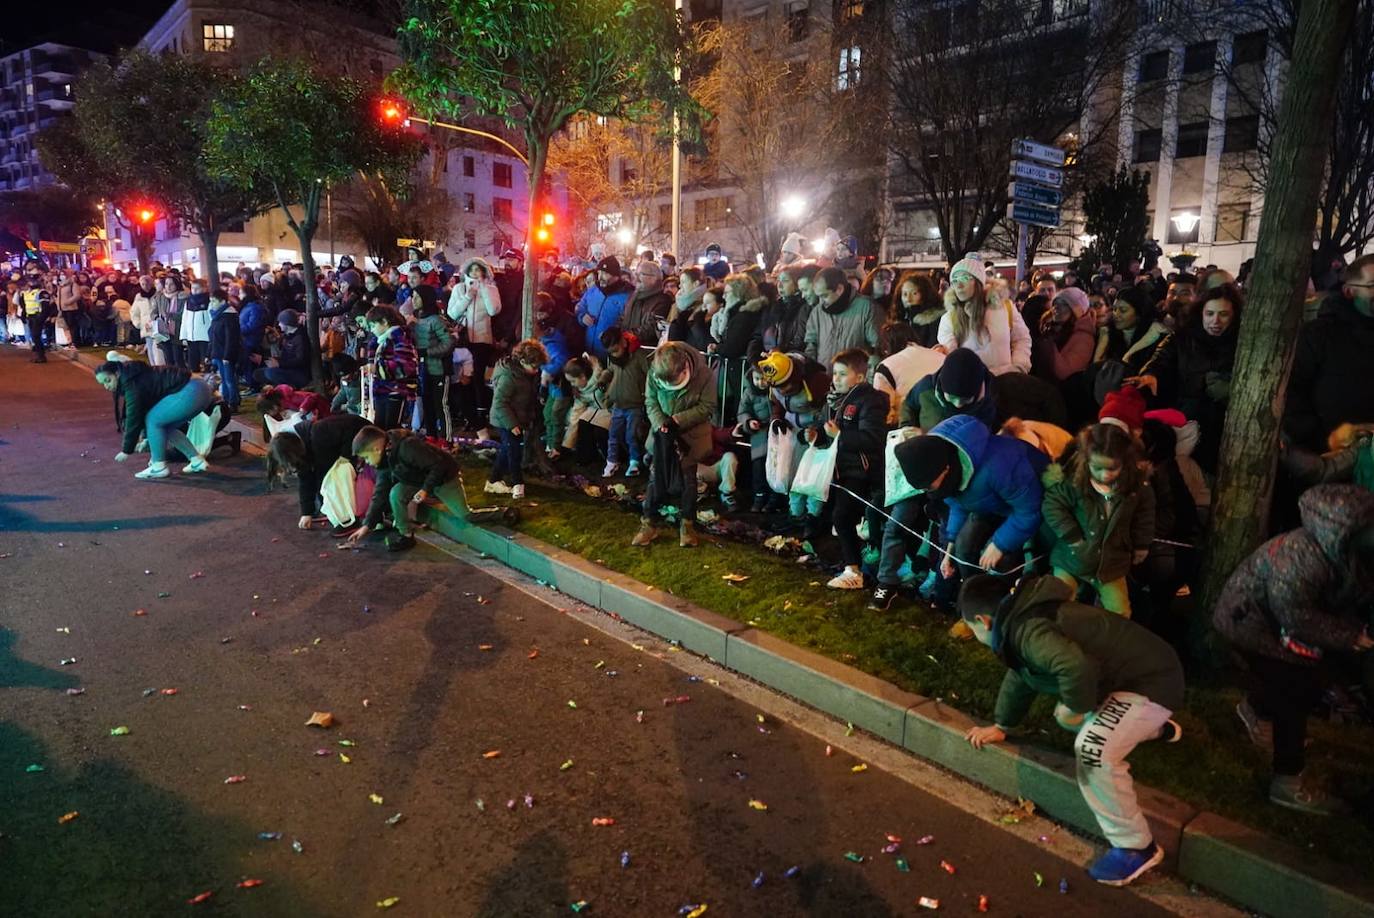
<point>841,691</point>
<point>695,629</point>
<point>1264,874</point>
<point>487,540</point>
<point>569,573</point>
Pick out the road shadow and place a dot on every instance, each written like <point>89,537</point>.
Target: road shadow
<point>17,673</point>
<point>133,849</point>
<point>534,883</point>
<point>23,498</point>
<point>18,521</point>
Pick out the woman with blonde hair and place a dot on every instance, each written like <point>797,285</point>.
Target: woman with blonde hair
<point>979,318</point>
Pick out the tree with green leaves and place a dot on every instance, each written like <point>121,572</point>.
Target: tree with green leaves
<point>139,135</point>
<point>535,64</point>
<point>294,131</point>
<point>1116,215</point>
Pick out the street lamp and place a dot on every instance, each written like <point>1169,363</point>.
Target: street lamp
<point>1185,222</point>
<point>792,207</point>
<point>625,237</point>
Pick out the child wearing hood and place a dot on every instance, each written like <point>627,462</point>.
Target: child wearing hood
<point>514,408</point>
<point>226,345</point>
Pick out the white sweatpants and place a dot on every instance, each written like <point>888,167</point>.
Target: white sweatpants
<point>1107,736</point>
<point>722,473</point>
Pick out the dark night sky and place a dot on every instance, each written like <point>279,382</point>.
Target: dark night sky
<point>101,26</point>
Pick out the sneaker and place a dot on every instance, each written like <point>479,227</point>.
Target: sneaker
<point>518,492</point>
<point>646,534</point>
<point>497,487</point>
<point>197,464</point>
<point>632,470</point>
<point>760,503</point>
<point>1291,792</point>
<point>882,598</point>
<point>1119,866</point>
<point>611,469</point>
<point>1171,732</point>
<point>343,529</point>
<point>847,580</point>
<point>1261,731</point>
<point>151,472</point>
<point>400,543</point>
<point>727,499</point>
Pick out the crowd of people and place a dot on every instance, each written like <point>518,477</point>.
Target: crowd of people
<point>1038,457</point>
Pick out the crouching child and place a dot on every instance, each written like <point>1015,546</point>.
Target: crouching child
<point>1115,683</point>
<point>409,470</point>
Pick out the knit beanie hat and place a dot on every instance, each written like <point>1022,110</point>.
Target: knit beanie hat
<point>971,265</point>
<point>288,318</point>
<point>962,374</point>
<point>1076,298</point>
<point>775,369</point>
<point>609,263</point>
<point>792,244</point>
<point>1125,408</point>
<point>923,459</point>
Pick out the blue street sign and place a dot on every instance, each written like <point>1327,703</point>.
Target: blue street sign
<point>1034,194</point>
<point>1033,214</point>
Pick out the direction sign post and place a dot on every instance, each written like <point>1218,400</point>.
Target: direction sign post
<point>1034,196</point>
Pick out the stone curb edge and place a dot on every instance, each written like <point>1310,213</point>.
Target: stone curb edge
<point>1225,857</point>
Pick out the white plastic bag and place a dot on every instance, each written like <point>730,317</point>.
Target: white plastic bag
<point>782,458</point>
<point>201,430</point>
<point>61,334</point>
<point>896,487</point>
<point>338,493</point>
<point>816,471</point>
<point>288,422</point>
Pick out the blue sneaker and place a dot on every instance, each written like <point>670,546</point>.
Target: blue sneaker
<point>1119,866</point>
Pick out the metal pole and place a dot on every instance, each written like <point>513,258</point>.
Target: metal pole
<point>1022,234</point>
<point>677,165</point>
<point>329,216</point>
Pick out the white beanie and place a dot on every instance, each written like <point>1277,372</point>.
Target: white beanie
<point>972,265</point>
<point>792,244</point>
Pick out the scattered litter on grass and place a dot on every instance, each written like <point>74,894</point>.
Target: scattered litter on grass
<point>248,884</point>
<point>1020,811</point>
<point>572,704</point>
<point>481,805</point>
<point>345,759</point>
<point>388,902</point>
<point>854,857</point>
<point>579,905</point>
<point>34,769</point>
<point>395,819</point>
<point>67,817</point>
<point>734,578</point>
<point>566,765</point>
<point>200,897</point>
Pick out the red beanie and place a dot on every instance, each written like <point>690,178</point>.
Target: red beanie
<point>1125,407</point>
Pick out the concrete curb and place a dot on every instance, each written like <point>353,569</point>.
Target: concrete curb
<point>1252,869</point>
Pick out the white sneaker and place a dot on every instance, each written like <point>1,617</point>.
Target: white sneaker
<point>197,464</point>
<point>497,487</point>
<point>518,492</point>
<point>611,469</point>
<point>151,472</point>
<point>632,469</point>
<point>847,580</point>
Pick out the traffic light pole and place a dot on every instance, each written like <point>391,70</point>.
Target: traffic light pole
<point>467,130</point>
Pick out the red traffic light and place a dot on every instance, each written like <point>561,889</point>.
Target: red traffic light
<point>392,111</point>
<point>146,216</point>
<point>548,218</point>
<point>541,234</point>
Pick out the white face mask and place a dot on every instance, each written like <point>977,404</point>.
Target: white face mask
<point>674,387</point>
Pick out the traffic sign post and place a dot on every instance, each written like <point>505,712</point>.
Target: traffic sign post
<point>1035,197</point>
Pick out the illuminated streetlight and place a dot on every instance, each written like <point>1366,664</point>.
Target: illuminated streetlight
<point>625,237</point>
<point>792,207</point>
<point>1185,222</point>
<point>819,246</point>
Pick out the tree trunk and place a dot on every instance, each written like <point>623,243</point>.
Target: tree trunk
<point>209,256</point>
<point>305,234</point>
<point>1250,443</point>
<point>538,150</point>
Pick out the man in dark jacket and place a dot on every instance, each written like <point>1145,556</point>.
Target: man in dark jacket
<point>326,441</point>
<point>293,361</point>
<point>409,470</point>
<point>510,283</point>
<point>1116,685</point>
<point>647,305</point>
<point>226,345</point>
<point>783,324</point>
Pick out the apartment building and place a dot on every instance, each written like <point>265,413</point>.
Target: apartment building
<point>35,91</point>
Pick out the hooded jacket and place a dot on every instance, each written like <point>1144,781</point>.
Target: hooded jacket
<point>1076,654</point>
<point>803,405</point>
<point>226,337</point>
<point>143,386</point>
<point>738,326</point>
<point>252,323</point>
<point>395,365</point>
<point>755,405</point>
<point>142,313</point>
<point>690,408</point>
<point>850,321</point>
<point>1005,345</point>
<point>195,320</point>
<point>625,379</point>
<point>1060,361</point>
<point>514,396</point>
<point>599,309</point>
<point>1330,382</point>
<point>295,351</point>
<point>925,405</point>
<point>1091,541</point>
<point>410,461</point>
<point>1001,477</point>
<point>473,303</point>
<point>326,441</point>
<point>434,340</point>
<point>1301,584</point>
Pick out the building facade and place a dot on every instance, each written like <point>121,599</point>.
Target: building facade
<point>35,91</point>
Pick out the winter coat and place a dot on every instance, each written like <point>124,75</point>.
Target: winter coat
<point>861,415</point>
<point>1005,345</point>
<point>692,328</point>
<point>195,320</point>
<point>557,342</point>
<point>410,461</point>
<point>142,387</point>
<point>142,314</point>
<point>434,340</point>
<point>782,327</point>
<point>925,405</point>
<point>738,327</point>
<point>851,321</point>
<point>926,324</point>
<point>1194,369</point>
<point>1001,477</point>
<point>642,313</point>
<point>690,408</point>
<point>1133,347</point>
<point>1076,654</point>
<point>599,309</point>
<point>589,404</point>
<point>514,396</point>
<point>395,365</point>
<point>295,351</point>
<point>755,405</point>
<point>226,337</point>
<point>802,406</point>
<point>1020,395</point>
<point>626,379</point>
<point>474,303</point>
<point>1330,383</point>
<point>898,375</point>
<point>1302,585</point>
<point>1092,540</point>
<point>510,285</point>
<point>1060,361</point>
<point>326,440</point>
<point>252,324</point>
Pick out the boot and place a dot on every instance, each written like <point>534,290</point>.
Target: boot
<point>646,534</point>
<point>687,537</point>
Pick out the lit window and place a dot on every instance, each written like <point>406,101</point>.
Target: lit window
<point>217,37</point>
<point>848,75</point>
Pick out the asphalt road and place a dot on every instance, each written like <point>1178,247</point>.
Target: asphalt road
<point>430,667</point>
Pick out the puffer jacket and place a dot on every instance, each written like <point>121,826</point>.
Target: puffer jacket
<point>861,415</point>
<point>395,365</point>
<point>738,325</point>
<point>195,322</point>
<point>782,327</point>
<point>252,324</point>
<point>755,405</point>
<point>1088,541</point>
<point>410,461</point>
<point>599,309</point>
<point>851,321</point>
<point>142,314</point>
<point>691,408</point>
<point>1001,477</point>
<point>1005,345</point>
<point>1301,585</point>
<point>514,396</point>
<point>925,405</point>
<point>1076,654</point>
<point>434,340</point>
<point>474,303</point>
<point>802,406</point>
